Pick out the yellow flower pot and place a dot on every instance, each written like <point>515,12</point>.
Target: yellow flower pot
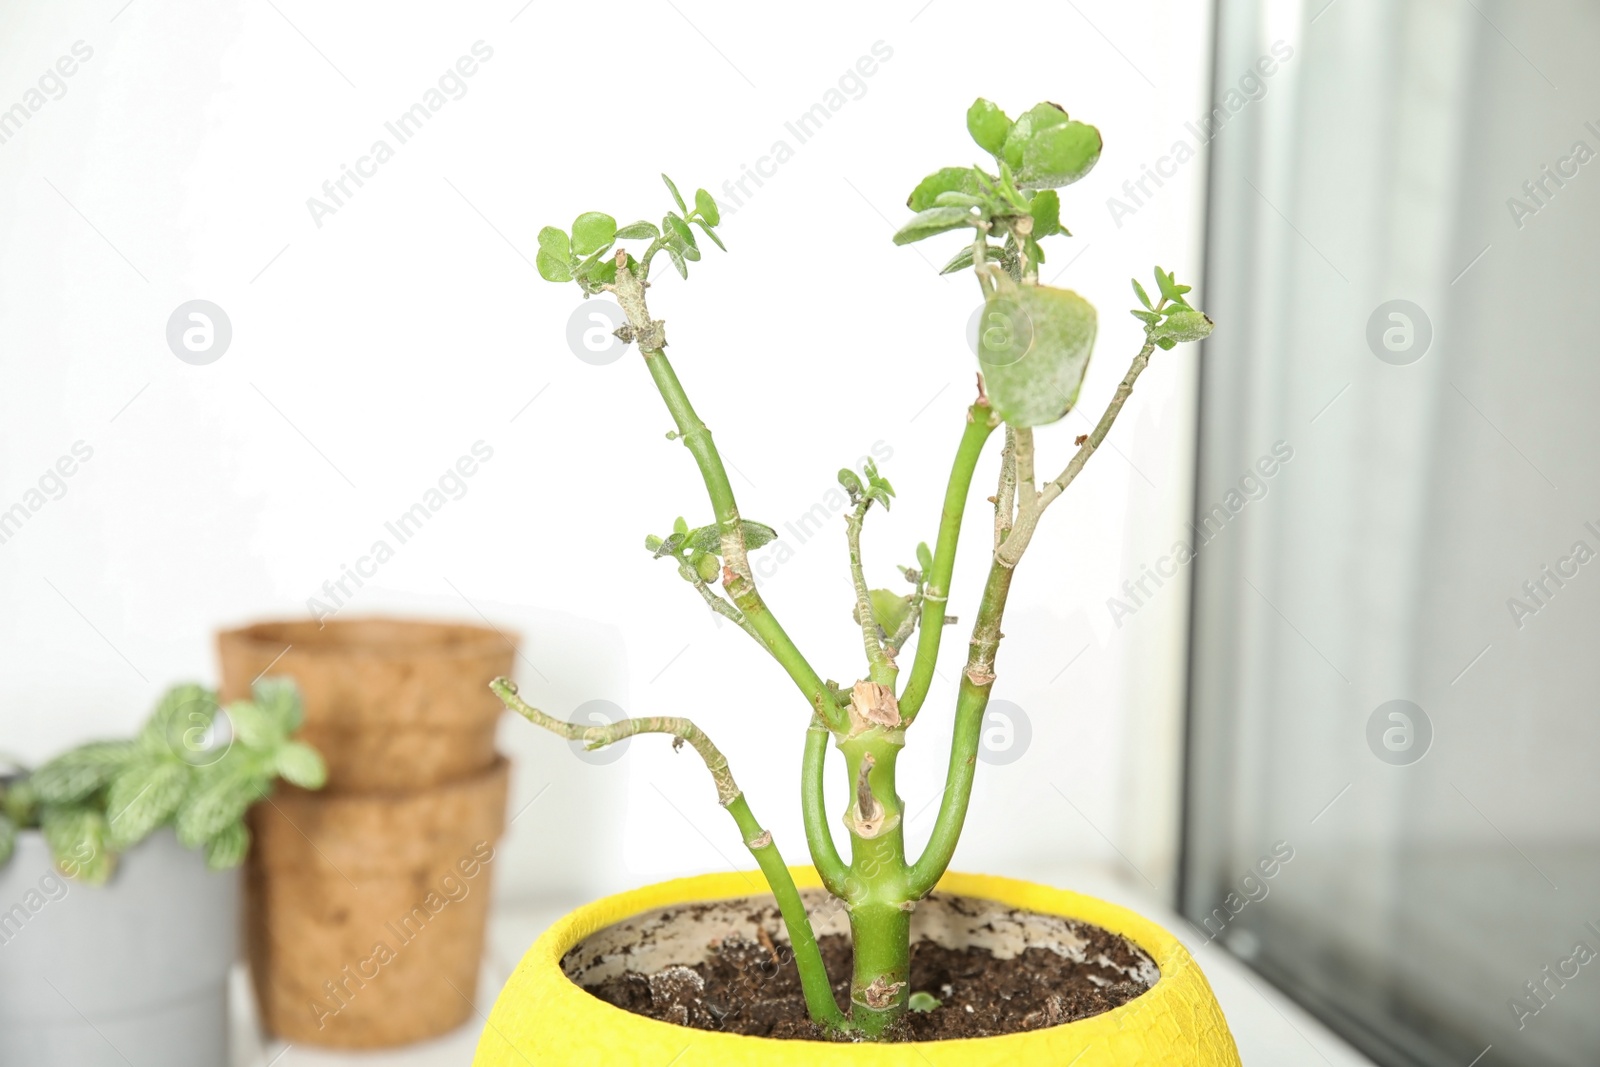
<point>543,1018</point>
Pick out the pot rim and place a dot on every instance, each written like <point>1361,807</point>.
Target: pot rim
<point>262,636</point>
<point>1178,1013</point>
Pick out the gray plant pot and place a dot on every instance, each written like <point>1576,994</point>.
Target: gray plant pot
<point>133,972</point>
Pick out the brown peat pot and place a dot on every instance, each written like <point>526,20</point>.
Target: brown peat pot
<point>366,912</point>
<point>391,704</point>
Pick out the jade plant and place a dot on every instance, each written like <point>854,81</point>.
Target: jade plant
<point>1033,350</point>
<point>193,765</point>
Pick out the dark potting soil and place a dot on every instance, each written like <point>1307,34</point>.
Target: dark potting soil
<point>749,988</point>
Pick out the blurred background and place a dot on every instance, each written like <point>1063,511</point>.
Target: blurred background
<point>1368,487</point>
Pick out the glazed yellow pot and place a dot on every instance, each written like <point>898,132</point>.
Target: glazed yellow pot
<point>543,1018</point>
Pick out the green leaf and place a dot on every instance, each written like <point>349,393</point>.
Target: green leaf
<point>279,698</point>
<point>671,546</point>
<point>182,710</point>
<point>679,526</point>
<point>77,837</point>
<point>1036,119</point>
<point>680,229</point>
<point>1149,318</point>
<point>555,242</point>
<point>709,538</point>
<point>299,764</point>
<point>711,234</point>
<point>920,1001</point>
<point>955,199</point>
<point>934,220</point>
<point>1170,289</point>
<point>1059,155</point>
<point>8,839</point>
<point>652,543</point>
<point>673,189</point>
<point>144,796</point>
<point>19,803</point>
<point>72,776</point>
<point>638,231</point>
<point>890,610</point>
<point>1034,344</point>
<point>1182,325</point>
<point>254,727</point>
<point>851,483</point>
<point>988,126</point>
<point>963,259</point>
<point>1138,291</point>
<point>228,847</point>
<point>1045,207</point>
<point>945,180</point>
<point>552,269</point>
<point>592,231</point>
<point>1167,344</point>
<point>924,558</point>
<point>706,205</point>
<point>678,262</point>
<point>225,792</point>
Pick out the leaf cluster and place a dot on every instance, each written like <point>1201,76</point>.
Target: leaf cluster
<point>1033,155</point>
<point>700,549</point>
<point>871,486</point>
<point>585,253</point>
<point>1171,320</point>
<point>193,765</point>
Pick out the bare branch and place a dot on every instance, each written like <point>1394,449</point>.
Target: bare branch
<point>599,736</point>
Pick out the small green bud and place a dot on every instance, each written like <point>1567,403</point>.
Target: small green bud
<point>708,567</point>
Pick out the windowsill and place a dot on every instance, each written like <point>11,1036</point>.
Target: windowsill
<point>1268,1027</point>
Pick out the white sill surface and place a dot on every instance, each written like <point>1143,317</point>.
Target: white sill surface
<point>1271,1030</point>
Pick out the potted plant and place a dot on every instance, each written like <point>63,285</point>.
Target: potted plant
<point>882,948</point>
<point>118,890</point>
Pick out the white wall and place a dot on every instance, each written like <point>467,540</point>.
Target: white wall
<point>371,351</point>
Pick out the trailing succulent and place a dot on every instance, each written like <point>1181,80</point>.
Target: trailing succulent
<point>1034,345</point>
<point>193,765</point>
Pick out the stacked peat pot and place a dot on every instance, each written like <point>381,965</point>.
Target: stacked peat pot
<point>366,902</point>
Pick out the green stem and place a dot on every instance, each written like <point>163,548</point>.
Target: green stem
<point>1028,516</point>
<point>819,838</point>
<point>814,981</point>
<point>880,936</point>
<point>976,682</point>
<point>981,422</point>
<point>737,578</point>
<point>808,957</point>
<point>878,897</point>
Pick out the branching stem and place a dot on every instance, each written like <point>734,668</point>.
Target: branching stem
<point>737,578</point>
<point>1027,519</point>
<point>808,958</point>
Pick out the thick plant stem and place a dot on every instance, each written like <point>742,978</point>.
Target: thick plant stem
<point>976,682</point>
<point>880,935</point>
<point>879,903</point>
<point>819,838</point>
<point>981,422</point>
<point>808,958</point>
<point>737,578</point>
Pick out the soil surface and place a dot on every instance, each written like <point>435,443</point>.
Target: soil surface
<point>753,989</point>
